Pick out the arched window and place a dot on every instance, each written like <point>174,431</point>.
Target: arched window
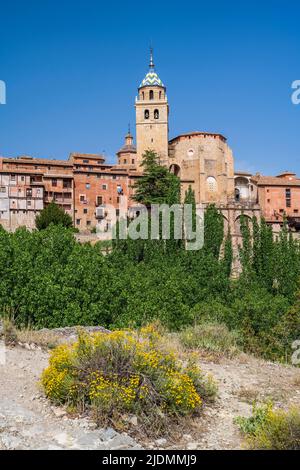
<point>156,114</point>
<point>175,169</point>
<point>151,95</point>
<point>143,95</point>
<point>211,184</point>
<point>146,114</point>
<point>160,95</point>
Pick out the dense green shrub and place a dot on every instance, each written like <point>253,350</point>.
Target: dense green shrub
<point>53,214</point>
<point>212,338</point>
<point>271,429</point>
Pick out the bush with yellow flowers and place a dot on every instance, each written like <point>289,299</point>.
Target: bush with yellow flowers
<point>126,372</point>
<point>271,429</point>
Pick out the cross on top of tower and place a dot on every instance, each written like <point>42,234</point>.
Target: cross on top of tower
<point>151,79</point>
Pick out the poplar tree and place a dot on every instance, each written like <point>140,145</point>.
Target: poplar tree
<point>213,231</point>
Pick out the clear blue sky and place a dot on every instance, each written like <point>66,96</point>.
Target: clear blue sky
<point>72,69</point>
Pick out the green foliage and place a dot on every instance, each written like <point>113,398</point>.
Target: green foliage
<point>211,338</point>
<point>157,185</point>
<point>213,231</point>
<point>271,429</point>
<point>52,214</point>
<point>50,280</point>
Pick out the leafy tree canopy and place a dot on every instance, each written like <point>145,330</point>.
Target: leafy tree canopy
<point>53,214</point>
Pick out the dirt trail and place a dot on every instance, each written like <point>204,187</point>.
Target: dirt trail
<point>28,421</point>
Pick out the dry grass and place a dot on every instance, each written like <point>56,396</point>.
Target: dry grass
<point>44,339</point>
<point>248,395</point>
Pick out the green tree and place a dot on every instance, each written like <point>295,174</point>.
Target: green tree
<point>53,214</point>
<point>213,230</point>
<point>157,185</point>
<point>228,254</point>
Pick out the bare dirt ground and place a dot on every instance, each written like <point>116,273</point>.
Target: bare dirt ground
<point>28,421</point>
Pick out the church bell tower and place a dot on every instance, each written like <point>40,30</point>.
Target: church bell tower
<point>152,111</point>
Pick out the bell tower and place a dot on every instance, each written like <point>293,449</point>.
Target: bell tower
<point>152,111</point>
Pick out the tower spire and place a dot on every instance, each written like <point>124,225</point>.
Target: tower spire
<point>151,65</point>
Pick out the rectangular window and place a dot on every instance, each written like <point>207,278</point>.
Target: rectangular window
<point>85,161</point>
<point>99,200</point>
<point>288,198</point>
<point>87,185</point>
<point>82,197</point>
<point>85,211</point>
<point>28,192</point>
<point>77,221</point>
<point>88,222</point>
<point>54,182</point>
<point>2,189</point>
<point>66,183</point>
<point>104,186</point>
<point>13,177</point>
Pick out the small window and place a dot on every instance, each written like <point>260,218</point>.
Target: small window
<point>85,211</point>
<point>156,114</point>
<point>77,221</point>
<point>117,212</point>
<point>104,186</point>
<point>99,200</point>
<point>22,178</point>
<point>88,222</point>
<point>85,161</point>
<point>2,189</point>
<point>87,185</point>
<point>54,182</point>
<point>67,184</point>
<point>28,203</point>
<point>132,161</point>
<point>13,177</point>
<point>211,184</point>
<point>151,95</point>
<point>82,197</point>
<point>146,114</point>
<point>125,160</point>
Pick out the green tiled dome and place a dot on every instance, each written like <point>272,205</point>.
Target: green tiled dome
<point>151,79</point>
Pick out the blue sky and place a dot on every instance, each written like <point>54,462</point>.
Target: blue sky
<point>72,69</point>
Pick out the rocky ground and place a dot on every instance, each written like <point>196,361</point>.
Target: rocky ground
<point>28,421</point>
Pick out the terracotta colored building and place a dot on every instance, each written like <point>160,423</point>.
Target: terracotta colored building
<point>279,198</point>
